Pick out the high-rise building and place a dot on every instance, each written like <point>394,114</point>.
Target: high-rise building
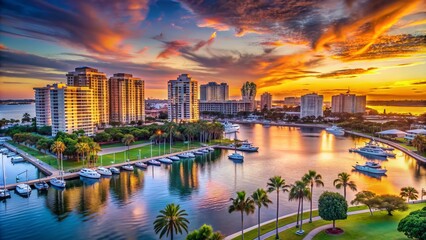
<point>127,98</point>
<point>183,99</point>
<point>292,101</point>
<point>229,107</point>
<point>42,106</point>
<point>213,91</point>
<point>266,101</point>
<point>98,82</point>
<point>311,105</point>
<point>349,103</point>
<point>72,109</point>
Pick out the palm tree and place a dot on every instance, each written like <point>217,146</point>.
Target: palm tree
<point>94,149</point>
<point>58,147</point>
<point>419,142</point>
<point>277,184</point>
<point>343,181</point>
<point>312,178</point>
<point>79,150</point>
<point>260,198</point>
<point>299,191</point>
<point>171,220</point>
<point>410,193</point>
<point>83,148</point>
<point>242,204</point>
<point>127,140</point>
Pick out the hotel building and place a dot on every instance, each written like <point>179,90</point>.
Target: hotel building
<point>266,101</point>
<point>127,98</point>
<point>72,109</point>
<point>230,107</point>
<point>349,103</point>
<point>42,106</point>
<point>214,92</point>
<point>183,99</point>
<point>98,82</point>
<point>311,105</point>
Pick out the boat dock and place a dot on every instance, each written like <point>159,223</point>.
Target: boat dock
<point>52,172</point>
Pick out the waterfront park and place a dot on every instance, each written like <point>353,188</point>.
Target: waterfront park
<point>354,212</point>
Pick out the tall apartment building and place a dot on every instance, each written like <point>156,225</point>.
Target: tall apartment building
<point>42,106</point>
<point>292,101</point>
<point>266,101</point>
<point>311,105</point>
<point>349,103</point>
<point>72,109</point>
<point>213,91</point>
<point>127,98</point>
<point>98,82</point>
<point>229,107</point>
<point>183,99</point>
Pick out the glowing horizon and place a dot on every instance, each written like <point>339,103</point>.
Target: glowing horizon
<point>288,48</point>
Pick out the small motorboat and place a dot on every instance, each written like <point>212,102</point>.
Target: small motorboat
<point>191,155</point>
<point>186,155</point>
<point>210,149</point>
<point>370,167</point>
<point>141,165</point>
<point>247,147</point>
<point>174,158</point>
<point>89,173</point>
<point>23,189</point>
<point>370,151</point>
<point>16,159</point>
<point>127,167</point>
<point>41,185</point>
<point>3,150</point>
<point>205,150</point>
<point>104,171</point>
<point>60,183</point>
<point>198,153</point>
<point>11,154</point>
<point>114,170</point>
<point>165,160</point>
<point>338,131</point>
<point>154,162</point>
<point>236,156</point>
<point>4,193</point>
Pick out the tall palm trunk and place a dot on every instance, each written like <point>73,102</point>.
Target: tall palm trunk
<point>242,225</point>
<point>171,232</point>
<point>258,223</point>
<point>276,222</point>
<point>344,192</point>
<point>301,214</point>
<point>310,212</point>
<point>298,212</point>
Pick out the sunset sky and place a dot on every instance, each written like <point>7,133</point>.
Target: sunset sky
<point>287,47</point>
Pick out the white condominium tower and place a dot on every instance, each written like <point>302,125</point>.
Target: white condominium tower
<point>266,101</point>
<point>183,99</point>
<point>98,82</point>
<point>72,109</point>
<point>311,105</point>
<point>42,106</point>
<point>349,103</point>
<point>127,98</point>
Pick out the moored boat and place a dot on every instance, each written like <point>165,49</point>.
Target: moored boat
<point>154,162</point>
<point>174,158</point>
<point>41,185</point>
<point>114,170</point>
<point>338,131</point>
<point>4,193</point>
<point>141,165</point>
<point>89,173</point>
<point>16,159</point>
<point>236,156</point>
<point>60,183</point>
<point>370,167</point>
<point>210,149</point>
<point>198,153</point>
<point>165,160</point>
<point>127,167</point>
<point>247,147</point>
<point>104,171</point>
<point>370,151</point>
<point>23,189</point>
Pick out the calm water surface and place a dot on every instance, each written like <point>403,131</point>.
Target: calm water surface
<point>124,207</point>
<point>16,111</point>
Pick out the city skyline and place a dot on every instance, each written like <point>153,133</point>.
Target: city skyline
<point>288,48</point>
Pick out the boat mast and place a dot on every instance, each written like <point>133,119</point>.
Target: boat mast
<point>4,171</point>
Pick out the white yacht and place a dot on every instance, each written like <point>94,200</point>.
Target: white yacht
<point>141,165</point>
<point>205,151</point>
<point>11,154</point>
<point>104,171</point>
<point>373,142</point>
<point>127,167</point>
<point>23,189</point>
<point>247,147</point>
<point>186,155</point>
<point>154,162</point>
<point>370,167</point>
<point>165,160</point>
<point>230,128</point>
<point>379,149</point>
<point>41,185</point>
<point>114,170</point>
<point>198,153</point>
<point>89,173</point>
<point>60,183</point>
<point>174,158</point>
<point>372,151</point>
<point>236,156</point>
<point>338,131</point>
<point>210,149</point>
<point>16,159</point>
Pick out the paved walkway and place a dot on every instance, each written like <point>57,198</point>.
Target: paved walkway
<point>121,148</point>
<point>317,230</point>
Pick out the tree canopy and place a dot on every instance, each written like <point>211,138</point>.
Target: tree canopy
<point>332,206</point>
<point>414,225</point>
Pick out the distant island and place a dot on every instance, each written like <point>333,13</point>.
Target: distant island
<point>404,103</point>
<point>16,101</point>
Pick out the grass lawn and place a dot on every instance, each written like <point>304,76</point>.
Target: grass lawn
<point>284,221</point>
<point>122,144</point>
<point>379,226</point>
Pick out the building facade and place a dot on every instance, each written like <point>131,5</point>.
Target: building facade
<point>98,82</point>
<point>72,109</point>
<point>311,105</point>
<point>213,91</point>
<point>182,98</point>
<point>266,101</point>
<point>42,106</point>
<point>230,107</point>
<point>349,103</point>
<point>127,98</point>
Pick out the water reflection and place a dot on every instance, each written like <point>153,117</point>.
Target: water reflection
<point>183,177</point>
<point>127,184</point>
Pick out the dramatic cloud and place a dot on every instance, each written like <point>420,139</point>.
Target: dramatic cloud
<point>78,23</point>
<point>420,83</point>
<point>346,73</point>
<point>172,48</point>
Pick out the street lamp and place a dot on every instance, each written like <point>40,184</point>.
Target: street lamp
<point>139,154</point>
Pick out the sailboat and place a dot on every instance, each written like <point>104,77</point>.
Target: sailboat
<point>59,182</point>
<point>235,155</point>
<point>23,189</point>
<point>4,193</point>
<point>41,185</point>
